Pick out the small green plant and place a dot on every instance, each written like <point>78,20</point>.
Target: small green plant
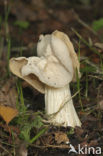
<point>20,101</point>
<point>27,120</point>
<point>22,24</point>
<point>97,24</point>
<point>86,70</point>
<point>71,131</point>
<point>27,127</point>
<point>42,131</point>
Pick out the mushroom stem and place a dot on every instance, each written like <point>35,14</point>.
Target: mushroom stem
<point>54,100</point>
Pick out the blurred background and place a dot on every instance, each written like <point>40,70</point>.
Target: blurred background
<point>22,21</point>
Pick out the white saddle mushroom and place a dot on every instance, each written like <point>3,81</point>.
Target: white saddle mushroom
<point>50,73</point>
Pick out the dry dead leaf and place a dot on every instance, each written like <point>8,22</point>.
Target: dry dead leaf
<point>100,105</point>
<point>61,137</point>
<point>47,139</point>
<point>99,45</point>
<point>8,94</point>
<point>7,113</point>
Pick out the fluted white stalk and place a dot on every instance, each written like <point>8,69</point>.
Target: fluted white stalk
<point>54,99</point>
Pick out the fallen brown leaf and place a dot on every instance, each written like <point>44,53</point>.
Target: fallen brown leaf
<point>7,113</point>
<point>100,105</point>
<point>99,45</point>
<point>61,137</point>
<point>8,94</point>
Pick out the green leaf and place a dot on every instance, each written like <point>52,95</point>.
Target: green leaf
<point>71,131</point>
<point>38,135</point>
<point>97,24</point>
<point>37,122</point>
<point>26,128</point>
<point>25,133</point>
<point>22,24</point>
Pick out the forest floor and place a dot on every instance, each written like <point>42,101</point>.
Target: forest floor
<point>23,129</point>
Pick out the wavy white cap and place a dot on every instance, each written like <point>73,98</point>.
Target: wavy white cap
<point>55,66</point>
<point>72,53</point>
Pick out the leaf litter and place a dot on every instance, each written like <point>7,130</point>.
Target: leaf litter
<point>8,96</point>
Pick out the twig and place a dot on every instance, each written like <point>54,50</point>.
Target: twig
<point>86,43</point>
<point>52,146</point>
<point>96,77</point>
<point>98,70</point>
<point>5,143</point>
<point>5,150</point>
<point>65,101</point>
<point>38,135</point>
<point>86,26</point>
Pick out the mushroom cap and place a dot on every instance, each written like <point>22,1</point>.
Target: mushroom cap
<point>73,55</point>
<point>39,72</point>
<point>48,70</point>
<point>59,45</point>
<point>43,43</point>
<point>55,66</point>
<point>16,65</point>
<point>61,52</point>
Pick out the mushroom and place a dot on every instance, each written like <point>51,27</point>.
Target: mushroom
<point>50,73</point>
